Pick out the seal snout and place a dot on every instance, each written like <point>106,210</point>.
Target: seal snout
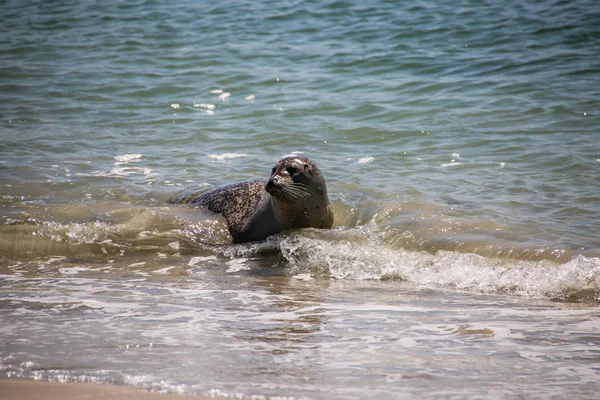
<point>274,185</point>
<point>270,186</point>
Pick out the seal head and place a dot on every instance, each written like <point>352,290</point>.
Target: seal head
<point>299,193</point>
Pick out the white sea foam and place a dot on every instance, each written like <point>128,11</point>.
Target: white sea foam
<point>72,270</point>
<point>224,96</point>
<point>138,264</point>
<point>216,91</point>
<point>369,259</point>
<point>76,233</point>
<point>121,167</point>
<point>226,156</point>
<point>54,259</point>
<point>125,171</point>
<point>205,106</point>
<point>304,277</point>
<point>365,160</point>
<point>249,97</point>
<point>195,260</point>
<point>292,154</point>
<point>236,265</point>
<point>450,164</point>
<point>91,303</point>
<point>127,158</point>
<point>164,271</point>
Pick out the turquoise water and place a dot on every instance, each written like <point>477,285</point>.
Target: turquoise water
<point>461,147</point>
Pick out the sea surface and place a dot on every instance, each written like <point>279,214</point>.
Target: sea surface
<point>460,141</point>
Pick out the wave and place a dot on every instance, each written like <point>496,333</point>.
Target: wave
<point>359,254</point>
<point>154,238</point>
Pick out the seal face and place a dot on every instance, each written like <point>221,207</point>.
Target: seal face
<point>295,196</point>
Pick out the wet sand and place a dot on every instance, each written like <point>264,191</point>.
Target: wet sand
<point>23,389</point>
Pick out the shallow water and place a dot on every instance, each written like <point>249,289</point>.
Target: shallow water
<point>461,149</point>
<point>245,333</point>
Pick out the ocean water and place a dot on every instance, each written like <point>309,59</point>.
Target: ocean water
<point>460,142</point>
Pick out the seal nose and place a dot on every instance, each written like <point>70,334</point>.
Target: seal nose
<point>273,184</point>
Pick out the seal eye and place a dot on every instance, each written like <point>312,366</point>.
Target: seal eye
<point>292,170</point>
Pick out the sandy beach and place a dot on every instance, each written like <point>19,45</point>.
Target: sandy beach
<point>22,389</point>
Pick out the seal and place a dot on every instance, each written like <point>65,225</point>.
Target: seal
<point>294,197</point>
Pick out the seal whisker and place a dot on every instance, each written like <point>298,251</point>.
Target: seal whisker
<point>299,186</point>
<point>295,190</point>
<point>289,193</point>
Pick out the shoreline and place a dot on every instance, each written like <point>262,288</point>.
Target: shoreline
<point>26,389</point>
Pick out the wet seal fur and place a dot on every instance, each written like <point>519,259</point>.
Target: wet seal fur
<point>295,196</point>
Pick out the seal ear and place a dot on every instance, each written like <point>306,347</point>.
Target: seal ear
<point>306,167</point>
